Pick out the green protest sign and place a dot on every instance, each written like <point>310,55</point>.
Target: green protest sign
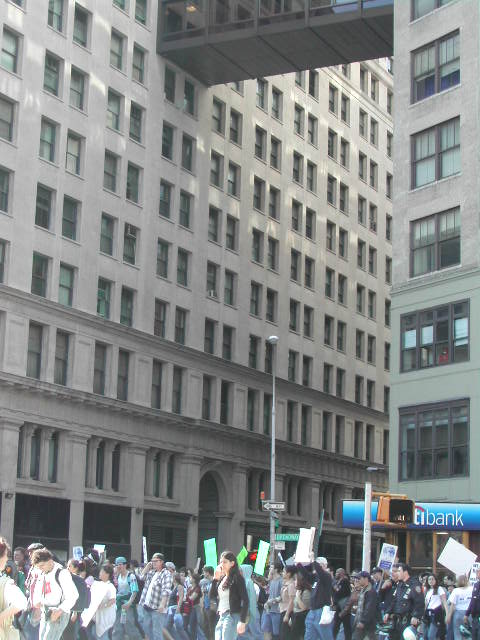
<point>262,556</point>
<point>210,547</point>
<point>242,555</point>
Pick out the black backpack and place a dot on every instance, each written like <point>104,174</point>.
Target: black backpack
<point>83,600</point>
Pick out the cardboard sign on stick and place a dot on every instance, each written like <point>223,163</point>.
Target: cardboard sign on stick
<point>457,558</point>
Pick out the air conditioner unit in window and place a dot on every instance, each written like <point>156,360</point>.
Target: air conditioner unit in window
<point>212,293</point>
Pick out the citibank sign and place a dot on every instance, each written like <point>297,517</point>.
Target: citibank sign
<point>428,515</point>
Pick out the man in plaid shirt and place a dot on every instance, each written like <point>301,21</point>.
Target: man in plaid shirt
<point>155,595</point>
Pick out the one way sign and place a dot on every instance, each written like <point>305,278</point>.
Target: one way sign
<point>268,505</point>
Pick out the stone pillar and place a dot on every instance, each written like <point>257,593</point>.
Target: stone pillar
<point>45,437</point>
<point>238,490</point>
<point>164,458</point>
<point>224,521</point>
<point>107,464</point>
<point>294,495</point>
<point>348,553</point>
<point>9,431</point>
<point>75,481</point>
<point>27,430</point>
<point>136,455</point>
<point>189,481</point>
<point>92,461</point>
<point>149,458</point>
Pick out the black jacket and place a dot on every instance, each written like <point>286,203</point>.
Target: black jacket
<point>474,606</point>
<point>408,599</point>
<point>238,596</point>
<point>367,607</point>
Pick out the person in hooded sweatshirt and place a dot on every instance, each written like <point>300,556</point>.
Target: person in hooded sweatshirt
<point>252,630</point>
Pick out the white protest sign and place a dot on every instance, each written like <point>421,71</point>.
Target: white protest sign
<point>473,572</point>
<point>457,558</point>
<point>387,556</point>
<point>78,553</point>
<point>98,591</point>
<point>144,547</point>
<point>304,545</point>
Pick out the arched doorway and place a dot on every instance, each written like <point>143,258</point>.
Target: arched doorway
<point>208,504</point>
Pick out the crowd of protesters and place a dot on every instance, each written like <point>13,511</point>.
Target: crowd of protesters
<point>92,599</point>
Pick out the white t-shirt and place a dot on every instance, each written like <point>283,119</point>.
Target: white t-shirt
<point>13,596</point>
<point>434,600</point>
<point>223,598</point>
<point>461,597</point>
<point>105,616</point>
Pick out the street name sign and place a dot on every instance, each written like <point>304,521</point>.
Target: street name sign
<point>269,505</point>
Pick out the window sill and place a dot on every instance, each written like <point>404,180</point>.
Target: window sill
<point>74,175</point>
<point>12,73</point>
<point>118,131</point>
<point>37,226</point>
<point>234,251</point>
<point>183,286</point>
<point>108,255</point>
<point>129,264</point>
<point>49,162</point>
<point>435,95</point>
<point>166,218</point>
<point>133,203</point>
<point>112,193</point>
<point>140,84</point>
<point>121,71</point>
<point>72,241</point>
<point>82,111</point>
<point>235,197</point>
<point>83,47</point>
<point>46,92</point>
<point>435,182</point>
<point>139,143</point>
<point>163,278</point>
<point>181,226</point>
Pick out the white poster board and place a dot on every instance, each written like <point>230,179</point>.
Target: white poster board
<point>98,590</point>
<point>387,556</point>
<point>304,545</point>
<point>144,548</point>
<point>457,558</point>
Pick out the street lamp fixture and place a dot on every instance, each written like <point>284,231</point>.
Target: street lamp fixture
<point>367,523</point>
<point>273,340</point>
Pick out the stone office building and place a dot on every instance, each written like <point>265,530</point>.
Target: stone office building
<point>154,233</point>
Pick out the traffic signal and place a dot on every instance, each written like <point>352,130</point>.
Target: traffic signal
<point>252,556</point>
<point>395,510</point>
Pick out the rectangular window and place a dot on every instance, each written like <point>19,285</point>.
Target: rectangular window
<point>373,174</point>
<point>169,85</point>
<point>207,397</point>
<point>260,143</point>
<point>329,283</point>
<point>326,429</point>
<point>363,124</point>
<point>358,439</point>
<point>253,346</point>
<point>359,344</point>
<point>341,336</point>
<point>34,353</point>
<point>165,199</point>
<point>308,321</point>
<point>138,64</point>
<point>99,368</point>
<point>294,265</point>
<point>343,199</point>
<point>332,190</point>
<point>7,109</point>
<point>436,153</point>
<point>212,279</point>
<point>345,109</point>
<point>332,99</point>
<point>297,170</point>
<point>3,259</point>
<point>436,67</point>
<point>274,203</point>
<point>141,11</point>
<point>252,397</point>
<point>227,343</point>
<point>160,318</point>
<point>80,26</point>
<point>180,325</point>
<point>122,374</point>
<point>48,132</point>
<point>4,190</point>
<point>51,78</point>
<point>363,79</point>
<point>185,209</point>
<point>373,132</point>
<point>213,223</point>
<point>311,176</point>
<point>231,233</point>
<point>292,365</point>
<point>388,305</point>
<point>167,141</point>
<point>39,275</point>
<point>258,194</point>
<point>342,289</point>
<point>296,216</point>
<point>271,309</point>
<point>126,307</point>
<point>114,103</point>
<point>262,87</point>
<point>225,402</point>
<point>372,304</point>
<point>189,97</point>
<point>77,89</point>
<point>218,116</point>
<point>327,377</point>
<point>332,144</point>
<point>343,243</point>
<point>312,129</point>
<point>132,192</point>
<point>268,368</point>
<point>233,180</point>
<point>435,337</point>
<point>177,390</point>
<point>435,242</point>
<point>331,237</point>
<point>360,299</point>
<point>10,51</point>
<point>235,126</point>
<point>389,144</point>
<point>135,128</point>
<point>306,419</point>
<point>55,14</point>
<point>310,224</point>
<point>371,349</point>
<point>373,217</point>
<point>294,314</point>
<point>358,392</point>
<point>110,171</point>
<point>340,383</point>
<point>209,336</point>
<point>130,237</point>
<point>216,165</point>
<point>328,330</point>
<point>422,7</point>
<point>162,258</point>
<point>434,441</point>
<point>156,395</point>
<point>73,156</point>
<point>182,267</point>
<point>298,120</point>
<point>309,273</point>
<point>255,298</point>
<point>277,106</point>
<point>116,50</point>
<point>344,153</point>
<point>372,261</point>
<point>188,150</point>
<point>61,358</point>
<point>104,292</point>
<point>70,218</point>
<point>291,420</point>
<point>65,285</point>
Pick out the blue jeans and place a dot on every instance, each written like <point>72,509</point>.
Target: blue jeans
<point>53,630</point>
<point>457,620</point>
<point>226,628</point>
<point>93,634</point>
<point>127,629</point>
<point>153,623</point>
<point>313,629</point>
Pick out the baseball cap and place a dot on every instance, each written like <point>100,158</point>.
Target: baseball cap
<point>170,565</point>
<point>120,560</point>
<point>377,570</point>
<point>322,561</point>
<point>158,556</point>
<point>35,545</point>
<point>361,574</point>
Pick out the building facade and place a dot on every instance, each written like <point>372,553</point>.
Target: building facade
<point>435,358</point>
<point>154,234</point>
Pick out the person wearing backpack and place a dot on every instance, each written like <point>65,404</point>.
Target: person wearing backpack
<point>55,594</point>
